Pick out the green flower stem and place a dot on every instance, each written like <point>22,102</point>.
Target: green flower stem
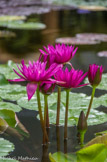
<point>58,106</point>
<point>89,107</point>
<point>45,136</point>
<point>46,115</point>
<point>66,114</point>
<point>82,134</point>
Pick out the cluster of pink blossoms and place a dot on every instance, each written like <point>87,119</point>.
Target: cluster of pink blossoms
<point>48,70</point>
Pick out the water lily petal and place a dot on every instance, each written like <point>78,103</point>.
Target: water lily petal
<point>31,88</point>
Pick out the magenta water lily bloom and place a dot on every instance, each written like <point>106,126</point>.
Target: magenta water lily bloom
<point>95,74</point>
<point>60,53</point>
<point>35,73</point>
<point>72,78</point>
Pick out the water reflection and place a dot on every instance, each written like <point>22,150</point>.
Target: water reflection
<point>59,24</point>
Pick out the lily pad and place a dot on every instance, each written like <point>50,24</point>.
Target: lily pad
<point>92,36</point>
<point>9,106</point>
<point>93,8</point>
<point>12,92</point>
<point>8,18</point>
<point>102,54</point>
<point>61,157</point>
<point>7,70</point>
<point>5,148</point>
<point>78,102</point>
<point>93,153</point>
<point>76,41</point>
<point>23,25</point>
<point>8,116</point>
<point>32,104</point>
<point>3,80</point>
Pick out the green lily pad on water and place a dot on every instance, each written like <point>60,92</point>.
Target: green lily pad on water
<point>8,18</point>
<point>20,25</point>
<point>78,102</point>
<point>8,116</point>
<point>7,70</point>
<point>5,147</point>
<point>9,106</point>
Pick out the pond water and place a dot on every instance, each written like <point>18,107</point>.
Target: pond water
<point>25,45</point>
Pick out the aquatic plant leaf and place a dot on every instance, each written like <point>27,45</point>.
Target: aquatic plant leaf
<point>77,103</point>
<point>7,70</point>
<point>93,4</point>
<point>3,80</point>
<point>92,36</point>
<point>27,25</point>
<point>9,106</point>
<point>3,125</point>
<point>32,104</point>
<point>23,25</point>
<point>12,92</point>
<point>61,157</point>
<point>5,147</point>
<point>7,159</point>
<point>103,83</point>
<point>93,153</point>
<point>8,18</point>
<point>76,41</point>
<point>102,139</point>
<point>93,8</point>
<point>8,116</point>
<point>102,54</point>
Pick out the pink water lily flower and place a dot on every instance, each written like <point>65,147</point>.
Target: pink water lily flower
<point>72,78</point>
<point>59,54</point>
<point>35,73</point>
<point>95,74</point>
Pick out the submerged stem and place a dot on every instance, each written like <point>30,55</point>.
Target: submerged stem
<point>58,106</point>
<point>66,114</point>
<point>90,104</point>
<point>45,136</point>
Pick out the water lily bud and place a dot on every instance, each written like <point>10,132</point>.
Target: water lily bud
<point>47,88</point>
<point>95,74</point>
<point>82,123</point>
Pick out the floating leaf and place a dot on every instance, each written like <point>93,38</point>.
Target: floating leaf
<point>5,148</point>
<point>93,8</point>
<point>12,92</point>
<point>77,103</point>
<point>3,80</point>
<point>8,116</point>
<point>7,70</point>
<point>102,54</point>
<point>76,41</point>
<point>9,106</point>
<point>102,139</point>
<point>61,157</point>
<point>3,125</point>
<point>23,25</point>
<point>8,18</point>
<point>92,36</point>
<point>7,159</point>
<point>32,104</point>
<point>93,153</point>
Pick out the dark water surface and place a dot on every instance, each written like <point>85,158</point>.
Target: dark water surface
<point>25,45</point>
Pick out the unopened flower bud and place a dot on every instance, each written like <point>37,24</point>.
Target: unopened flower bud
<point>82,123</point>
